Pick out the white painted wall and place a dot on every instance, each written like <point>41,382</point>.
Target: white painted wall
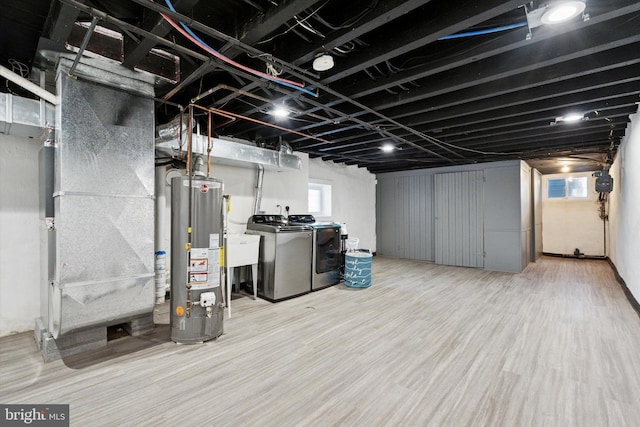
<point>353,198</point>
<point>19,234</point>
<point>624,209</point>
<point>572,223</point>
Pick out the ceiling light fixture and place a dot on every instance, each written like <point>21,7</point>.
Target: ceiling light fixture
<point>323,62</point>
<point>562,11</point>
<point>570,118</point>
<point>388,148</point>
<point>280,112</point>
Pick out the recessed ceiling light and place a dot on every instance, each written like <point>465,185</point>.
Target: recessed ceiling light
<point>280,112</point>
<point>565,169</point>
<point>387,148</point>
<point>562,12</point>
<point>323,62</point>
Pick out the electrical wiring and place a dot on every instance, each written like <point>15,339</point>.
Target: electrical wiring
<point>308,27</point>
<point>459,147</point>
<point>199,42</point>
<point>350,22</point>
<point>291,28</point>
<point>19,68</point>
<point>186,31</point>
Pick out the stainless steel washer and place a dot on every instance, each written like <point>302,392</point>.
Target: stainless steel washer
<point>284,261</point>
<point>325,266</point>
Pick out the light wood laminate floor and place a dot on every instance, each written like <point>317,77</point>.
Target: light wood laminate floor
<point>425,345</point>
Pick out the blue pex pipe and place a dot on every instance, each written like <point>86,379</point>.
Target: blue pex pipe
<point>485,31</point>
<point>195,36</point>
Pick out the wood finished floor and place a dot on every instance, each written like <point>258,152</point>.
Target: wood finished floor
<point>426,345</point>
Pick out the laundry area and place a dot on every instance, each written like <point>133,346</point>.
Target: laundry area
<point>303,212</point>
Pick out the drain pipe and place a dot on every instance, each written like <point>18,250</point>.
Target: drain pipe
<point>31,87</point>
<point>83,46</point>
<point>258,200</point>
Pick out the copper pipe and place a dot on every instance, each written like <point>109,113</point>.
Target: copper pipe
<point>231,120</point>
<point>254,96</point>
<point>260,122</point>
<point>189,137</point>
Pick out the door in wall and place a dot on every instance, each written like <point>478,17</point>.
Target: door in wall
<point>459,219</point>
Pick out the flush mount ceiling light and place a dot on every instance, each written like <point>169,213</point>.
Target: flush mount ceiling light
<point>388,148</point>
<point>323,62</point>
<point>554,13</point>
<point>280,112</point>
<point>562,11</point>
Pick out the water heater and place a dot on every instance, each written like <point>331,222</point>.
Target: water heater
<point>196,234</point>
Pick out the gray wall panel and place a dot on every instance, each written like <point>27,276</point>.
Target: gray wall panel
<point>406,232</point>
<point>385,217</point>
<point>405,217</point>
<point>503,219</point>
<point>526,216</point>
<point>536,209</point>
<point>459,219</point>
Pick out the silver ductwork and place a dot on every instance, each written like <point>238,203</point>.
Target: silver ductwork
<point>258,200</point>
<point>23,116</point>
<point>103,260</point>
<point>28,85</point>
<point>229,151</point>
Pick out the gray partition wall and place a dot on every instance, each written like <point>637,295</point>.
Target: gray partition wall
<point>406,218</point>
<point>405,205</point>
<point>459,218</point>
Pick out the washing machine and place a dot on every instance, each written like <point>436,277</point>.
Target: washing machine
<point>284,260</point>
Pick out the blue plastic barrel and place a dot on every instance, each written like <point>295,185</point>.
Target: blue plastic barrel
<point>357,269</point>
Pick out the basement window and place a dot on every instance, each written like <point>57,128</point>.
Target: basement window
<point>320,199</point>
<point>568,188</point>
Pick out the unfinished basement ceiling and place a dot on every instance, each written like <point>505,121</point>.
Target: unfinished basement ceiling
<point>494,93</point>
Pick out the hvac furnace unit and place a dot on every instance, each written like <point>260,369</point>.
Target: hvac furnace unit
<point>97,184</point>
<point>196,231</point>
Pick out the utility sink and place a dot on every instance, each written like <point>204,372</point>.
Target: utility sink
<point>242,249</point>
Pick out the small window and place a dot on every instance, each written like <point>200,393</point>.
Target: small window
<point>577,187</point>
<point>556,188</point>
<point>320,199</point>
<point>569,188</point>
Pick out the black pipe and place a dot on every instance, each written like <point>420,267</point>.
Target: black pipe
<point>83,46</point>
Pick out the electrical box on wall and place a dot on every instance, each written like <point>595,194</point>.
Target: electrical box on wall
<point>604,182</point>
